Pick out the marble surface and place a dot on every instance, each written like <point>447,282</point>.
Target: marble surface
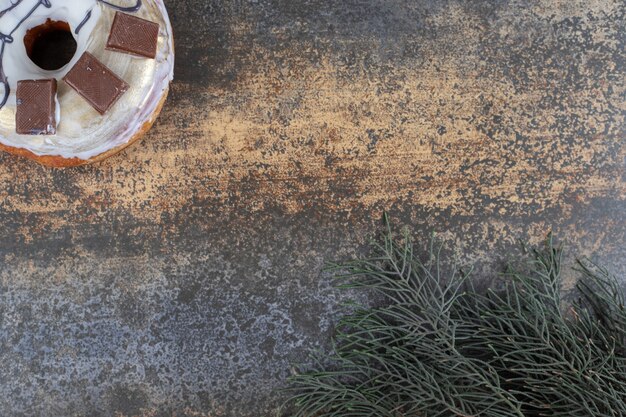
<point>183,276</point>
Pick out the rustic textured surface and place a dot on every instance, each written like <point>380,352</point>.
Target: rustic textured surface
<point>182,277</point>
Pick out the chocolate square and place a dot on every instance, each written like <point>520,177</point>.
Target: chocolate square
<point>36,107</point>
<point>132,35</point>
<point>96,83</point>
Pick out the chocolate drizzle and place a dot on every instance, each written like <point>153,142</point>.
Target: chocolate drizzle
<point>6,39</point>
<point>130,9</point>
<point>85,20</point>
<point>13,6</point>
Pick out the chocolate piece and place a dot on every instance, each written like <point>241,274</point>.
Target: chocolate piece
<point>96,83</point>
<point>36,107</point>
<point>133,35</point>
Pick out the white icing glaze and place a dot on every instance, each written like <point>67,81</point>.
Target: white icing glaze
<point>81,131</point>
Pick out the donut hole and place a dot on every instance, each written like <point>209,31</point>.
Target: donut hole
<point>50,45</point>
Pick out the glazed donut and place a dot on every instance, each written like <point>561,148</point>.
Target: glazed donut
<point>106,97</point>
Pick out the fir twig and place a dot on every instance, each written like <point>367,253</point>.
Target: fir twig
<point>439,348</point>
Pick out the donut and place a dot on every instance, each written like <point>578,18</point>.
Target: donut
<point>80,80</point>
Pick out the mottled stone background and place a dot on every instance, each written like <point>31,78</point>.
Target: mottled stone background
<point>182,277</point>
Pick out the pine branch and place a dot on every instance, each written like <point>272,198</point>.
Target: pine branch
<point>440,348</point>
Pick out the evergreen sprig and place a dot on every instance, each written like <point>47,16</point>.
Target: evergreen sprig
<point>440,348</point>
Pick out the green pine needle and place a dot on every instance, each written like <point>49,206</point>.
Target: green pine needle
<point>440,348</point>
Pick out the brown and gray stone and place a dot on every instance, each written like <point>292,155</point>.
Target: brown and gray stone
<point>182,277</point>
